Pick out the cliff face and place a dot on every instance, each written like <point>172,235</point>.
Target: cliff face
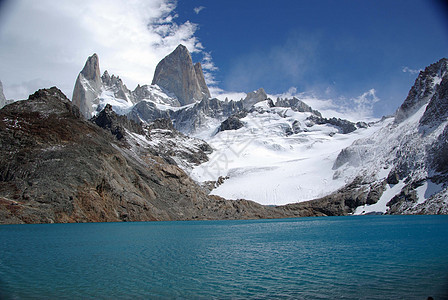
<point>57,167</point>
<point>177,75</point>
<point>88,87</point>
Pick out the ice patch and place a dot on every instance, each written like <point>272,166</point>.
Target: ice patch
<point>390,192</point>
<point>427,190</point>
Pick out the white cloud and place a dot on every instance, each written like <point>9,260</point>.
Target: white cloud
<point>219,93</point>
<point>354,109</point>
<point>198,9</point>
<point>50,40</point>
<point>410,71</point>
<point>208,67</point>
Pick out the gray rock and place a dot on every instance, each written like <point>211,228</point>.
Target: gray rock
<point>115,84</point>
<point>188,120</point>
<point>254,97</point>
<point>201,79</point>
<point>88,87</point>
<point>144,92</point>
<point>176,74</point>
<point>437,110</point>
<point>147,112</point>
<point>2,96</point>
<point>296,105</point>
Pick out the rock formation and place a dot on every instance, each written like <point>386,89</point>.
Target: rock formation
<point>115,85</point>
<point>201,79</point>
<point>296,105</point>
<point>177,75</point>
<point>423,89</point>
<point>254,97</point>
<point>88,87</point>
<point>2,96</point>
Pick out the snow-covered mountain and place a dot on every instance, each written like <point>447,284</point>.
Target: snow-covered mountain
<point>408,156</point>
<point>284,151</point>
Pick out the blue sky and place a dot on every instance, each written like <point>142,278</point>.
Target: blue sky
<point>359,53</point>
<point>337,49</point>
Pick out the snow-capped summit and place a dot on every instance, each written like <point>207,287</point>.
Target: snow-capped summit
<point>423,89</point>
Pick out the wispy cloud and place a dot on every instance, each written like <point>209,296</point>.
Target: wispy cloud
<point>198,9</point>
<point>208,66</point>
<point>355,109</point>
<point>410,71</point>
<point>130,37</point>
<point>272,65</point>
<point>221,94</point>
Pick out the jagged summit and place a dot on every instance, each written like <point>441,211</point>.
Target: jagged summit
<point>424,88</point>
<point>177,74</point>
<point>254,97</point>
<point>91,70</point>
<point>88,87</point>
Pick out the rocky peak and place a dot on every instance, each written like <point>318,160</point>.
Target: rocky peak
<point>88,87</point>
<point>423,89</point>
<point>2,96</point>
<point>177,75</point>
<point>116,85</point>
<point>437,110</point>
<point>91,70</point>
<point>296,105</point>
<point>254,97</point>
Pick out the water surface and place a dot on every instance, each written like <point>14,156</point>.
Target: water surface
<point>363,257</point>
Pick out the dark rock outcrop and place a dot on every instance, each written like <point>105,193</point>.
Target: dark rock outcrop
<point>342,202</point>
<point>344,126</point>
<point>177,75</point>
<point>233,122</point>
<point>116,124</point>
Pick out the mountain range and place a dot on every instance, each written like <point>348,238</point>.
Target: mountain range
<point>169,151</point>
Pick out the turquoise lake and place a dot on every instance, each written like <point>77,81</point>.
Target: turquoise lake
<point>359,257</point>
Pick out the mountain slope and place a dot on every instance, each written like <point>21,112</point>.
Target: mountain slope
<point>408,155</point>
<point>57,167</point>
